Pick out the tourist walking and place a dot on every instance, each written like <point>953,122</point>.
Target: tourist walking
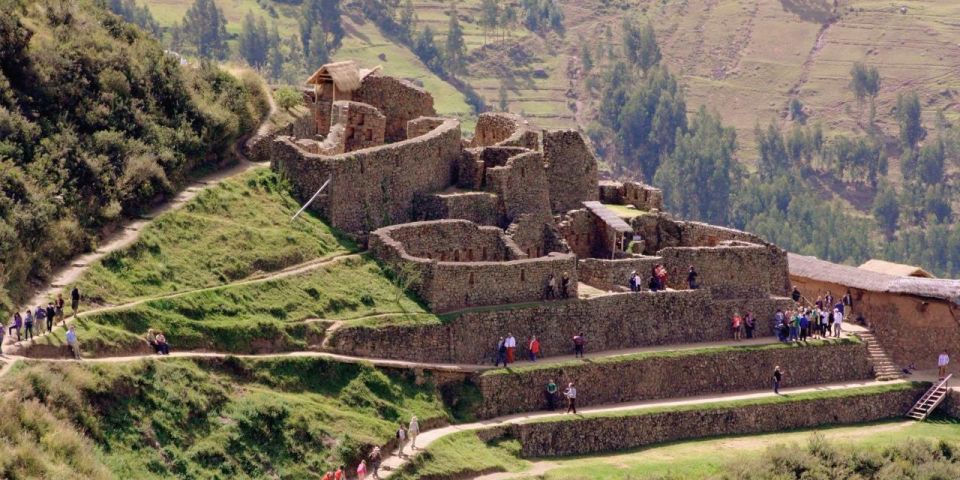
<point>777,378</point>
<point>571,394</point>
<point>942,361</point>
<point>501,353</point>
<point>401,440</point>
<point>162,346</point>
<point>28,325</point>
<point>59,306</point>
<point>51,316</point>
<point>511,344</point>
<point>551,394</point>
<point>39,316</point>
<point>16,324</point>
<point>634,281</point>
<point>578,342</point>
<point>692,276</point>
<point>75,300</point>
<point>413,430</point>
<point>750,323</point>
<point>534,348</point>
<point>375,458</point>
<point>837,322</point>
<point>737,326</point>
<point>72,343</point>
<point>362,469</point>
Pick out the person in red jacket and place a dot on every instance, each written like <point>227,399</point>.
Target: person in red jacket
<point>534,348</point>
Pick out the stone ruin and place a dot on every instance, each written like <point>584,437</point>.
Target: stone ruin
<point>488,220</point>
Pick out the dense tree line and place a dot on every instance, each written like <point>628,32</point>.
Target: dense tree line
<point>96,122</point>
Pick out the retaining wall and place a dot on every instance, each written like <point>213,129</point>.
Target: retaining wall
<point>596,434</point>
<point>615,274</point>
<point>609,322</point>
<point>674,374</point>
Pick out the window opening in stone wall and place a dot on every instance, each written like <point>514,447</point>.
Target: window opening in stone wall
<point>470,281</point>
<point>443,256</point>
<point>456,255</point>
<point>469,254</point>
<point>523,275</point>
<point>484,253</point>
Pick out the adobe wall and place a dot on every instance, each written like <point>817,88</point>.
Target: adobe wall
<point>673,375</point>
<point>482,208</point>
<point>399,100</point>
<point>372,187</point>
<point>595,434</point>
<point>571,169</point>
<point>608,322</point>
<point>913,330</point>
<point>729,270</point>
<point>615,274</point>
<point>494,127</point>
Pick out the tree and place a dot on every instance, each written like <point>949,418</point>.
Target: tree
<point>254,41</point>
<point>325,16</point>
<point>508,18</point>
<point>585,59</point>
<point>455,47</point>
<point>426,49</point>
<point>773,152</point>
<point>796,110</point>
<point>908,116</point>
<point>640,45</point>
<point>489,17</point>
<point>205,28</point>
<point>504,103</point>
<point>408,20</point>
<point>317,53</point>
<point>865,82</point>
<point>886,209</point>
<point>697,177</point>
<point>654,112</point>
<point>930,163</point>
<point>287,98</point>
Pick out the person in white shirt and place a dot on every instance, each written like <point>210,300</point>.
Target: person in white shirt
<point>413,430</point>
<point>837,321</point>
<point>942,361</point>
<point>511,344</point>
<point>571,394</point>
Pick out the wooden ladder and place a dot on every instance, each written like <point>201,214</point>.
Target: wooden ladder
<point>929,401</point>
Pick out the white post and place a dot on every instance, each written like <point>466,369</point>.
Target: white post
<point>314,197</point>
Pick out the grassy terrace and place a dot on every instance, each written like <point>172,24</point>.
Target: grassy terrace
<point>227,233</point>
<point>447,457</point>
<point>670,354</point>
<point>229,418</point>
<point>625,211</point>
<point>288,313</point>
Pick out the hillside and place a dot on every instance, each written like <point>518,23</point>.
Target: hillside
<point>97,123</point>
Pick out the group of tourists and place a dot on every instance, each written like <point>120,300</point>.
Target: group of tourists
<point>553,290</point>
<point>505,352</point>
<point>31,323</point>
<point>821,319</point>
<point>743,325</point>
<point>158,342</point>
<point>658,279</point>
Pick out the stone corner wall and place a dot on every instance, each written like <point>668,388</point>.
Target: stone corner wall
<point>571,169</point>
<point>422,125</point>
<point>494,127</point>
<point>399,100</point>
<point>361,126</point>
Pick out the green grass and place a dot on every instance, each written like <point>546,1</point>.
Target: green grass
<point>633,357</point>
<point>273,315</point>
<point>463,454</point>
<point>625,211</point>
<point>228,232</point>
<point>732,404</point>
<point>291,418</point>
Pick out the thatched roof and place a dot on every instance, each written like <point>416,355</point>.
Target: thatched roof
<point>863,279</point>
<point>346,75</point>
<point>897,269</point>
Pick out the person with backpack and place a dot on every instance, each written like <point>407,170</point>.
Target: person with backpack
<point>401,440</point>
<point>75,300</point>
<point>578,343</point>
<point>375,458</point>
<point>16,324</point>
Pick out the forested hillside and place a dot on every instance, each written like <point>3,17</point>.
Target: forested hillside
<point>96,122</point>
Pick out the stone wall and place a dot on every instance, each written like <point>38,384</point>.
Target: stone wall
<point>571,169</point>
<point>362,125</point>
<point>482,208</point>
<point>615,274</point>
<point>913,330</point>
<point>493,128</point>
<point>580,436</point>
<point>440,252</point>
<point>673,375</point>
<point>399,100</point>
<point>422,126</point>
<point>372,187</point>
<point>522,185</point>
<point>642,196</point>
<point>608,322</point>
<point>472,168</point>
<point>731,270</point>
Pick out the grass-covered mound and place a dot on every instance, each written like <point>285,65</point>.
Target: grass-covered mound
<point>97,121</point>
<point>232,418</point>
<point>228,232</point>
<point>287,313</point>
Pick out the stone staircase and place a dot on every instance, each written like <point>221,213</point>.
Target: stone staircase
<point>930,400</point>
<point>883,365</point>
